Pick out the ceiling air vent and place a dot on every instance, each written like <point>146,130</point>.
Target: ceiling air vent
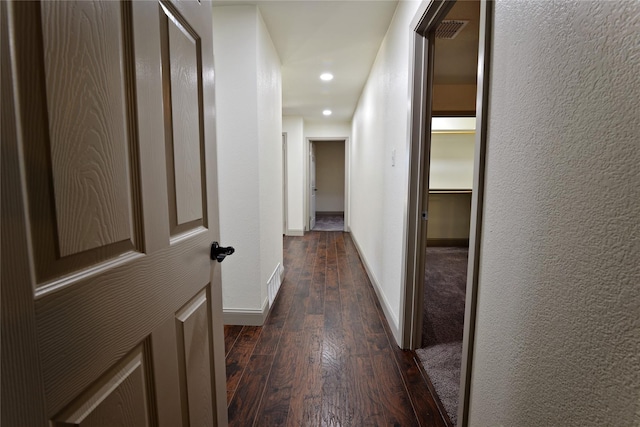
<point>450,29</point>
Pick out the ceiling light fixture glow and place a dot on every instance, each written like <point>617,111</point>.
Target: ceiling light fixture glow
<point>327,112</point>
<point>326,76</point>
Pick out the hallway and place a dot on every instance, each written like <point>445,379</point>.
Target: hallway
<point>325,355</point>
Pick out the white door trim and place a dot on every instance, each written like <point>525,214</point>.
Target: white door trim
<point>347,178</point>
<point>285,187</point>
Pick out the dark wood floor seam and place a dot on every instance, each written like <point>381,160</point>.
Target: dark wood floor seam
<point>325,355</point>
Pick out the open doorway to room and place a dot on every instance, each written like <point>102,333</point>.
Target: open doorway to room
<point>446,193</point>
<point>450,182</point>
<point>327,185</point>
<point>446,258</point>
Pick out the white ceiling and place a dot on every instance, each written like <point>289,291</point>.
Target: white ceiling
<point>311,37</point>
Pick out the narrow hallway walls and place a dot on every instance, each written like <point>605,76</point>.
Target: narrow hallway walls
<point>249,137</point>
<point>379,167</point>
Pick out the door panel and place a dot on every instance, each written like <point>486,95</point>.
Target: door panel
<point>125,303</point>
<point>80,149</point>
<point>120,399</point>
<point>193,353</point>
<point>183,118</point>
<point>87,114</point>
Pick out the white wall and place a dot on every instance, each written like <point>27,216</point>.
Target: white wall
<point>270,153</point>
<point>248,99</point>
<point>294,128</point>
<point>451,164</point>
<point>378,189</point>
<point>558,320</point>
<point>330,176</point>
<point>319,130</point>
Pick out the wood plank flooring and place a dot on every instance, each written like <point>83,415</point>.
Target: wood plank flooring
<point>325,356</point>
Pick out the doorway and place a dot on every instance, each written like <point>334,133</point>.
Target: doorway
<point>445,92</point>
<point>327,190</point>
<point>446,257</point>
<point>285,199</point>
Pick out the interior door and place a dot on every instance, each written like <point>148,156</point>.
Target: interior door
<point>111,307</point>
<point>313,189</point>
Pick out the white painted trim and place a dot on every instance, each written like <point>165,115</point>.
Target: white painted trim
<point>246,316</point>
<point>384,303</point>
<point>285,184</point>
<point>298,233</point>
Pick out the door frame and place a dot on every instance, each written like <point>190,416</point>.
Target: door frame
<point>347,179</point>
<point>427,19</point>
<point>312,185</point>
<point>285,187</point>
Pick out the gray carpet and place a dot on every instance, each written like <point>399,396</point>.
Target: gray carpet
<point>329,222</point>
<point>443,322</point>
<point>442,363</point>
<point>445,285</point>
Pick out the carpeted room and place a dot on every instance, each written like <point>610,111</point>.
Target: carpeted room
<point>446,258</point>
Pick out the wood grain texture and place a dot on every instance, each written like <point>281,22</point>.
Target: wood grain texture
<point>35,128</point>
<point>84,56</point>
<point>193,325</point>
<point>120,400</point>
<point>166,374</point>
<point>245,402</point>
<point>19,359</point>
<point>151,136</point>
<point>231,333</point>
<point>91,308</point>
<point>239,355</point>
<point>186,113</point>
<point>333,365</point>
<point>274,324</point>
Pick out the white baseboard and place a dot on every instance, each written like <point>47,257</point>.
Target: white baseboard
<point>246,316</point>
<point>386,308</point>
<point>298,233</point>
<point>253,317</point>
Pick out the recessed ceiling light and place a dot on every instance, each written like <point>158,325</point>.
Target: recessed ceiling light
<point>326,76</point>
<point>327,112</point>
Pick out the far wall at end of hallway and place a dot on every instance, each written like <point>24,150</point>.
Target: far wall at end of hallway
<point>330,176</point>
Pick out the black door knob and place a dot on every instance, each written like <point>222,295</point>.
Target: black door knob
<point>219,253</point>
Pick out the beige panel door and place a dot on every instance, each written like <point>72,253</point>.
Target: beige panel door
<point>111,307</point>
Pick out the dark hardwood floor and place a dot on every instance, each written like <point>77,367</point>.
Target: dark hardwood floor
<point>325,355</point>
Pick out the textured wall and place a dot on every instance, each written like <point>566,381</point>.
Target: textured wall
<point>558,332</point>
